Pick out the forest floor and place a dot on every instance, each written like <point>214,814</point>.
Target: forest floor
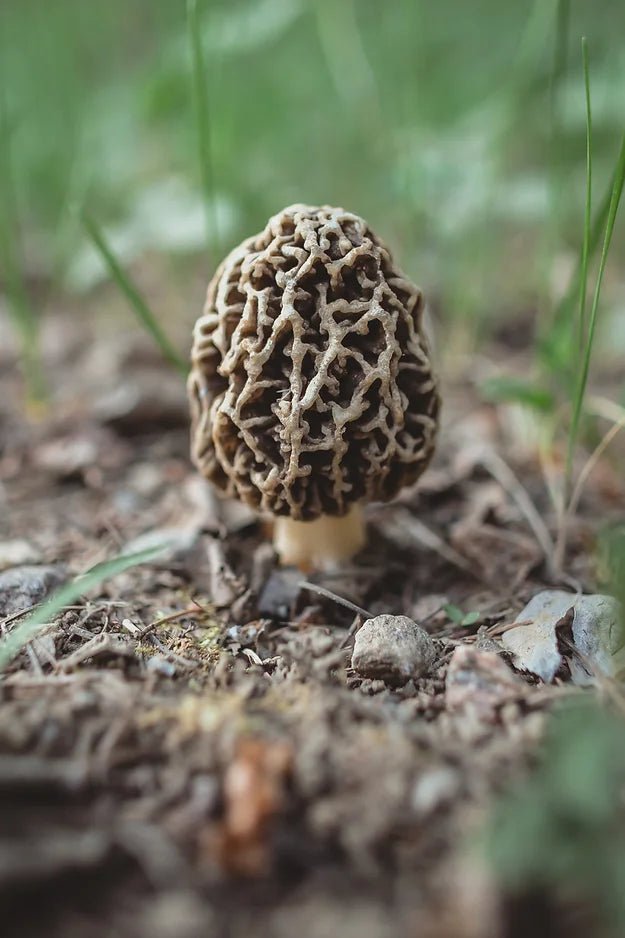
<point>188,751</point>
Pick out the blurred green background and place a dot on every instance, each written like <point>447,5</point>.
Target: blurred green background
<point>456,129</point>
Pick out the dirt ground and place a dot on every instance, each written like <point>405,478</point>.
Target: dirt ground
<point>188,751</point>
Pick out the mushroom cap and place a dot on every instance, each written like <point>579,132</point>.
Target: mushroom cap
<point>311,387</point>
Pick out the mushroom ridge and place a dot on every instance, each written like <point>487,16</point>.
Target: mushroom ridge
<point>311,386</point>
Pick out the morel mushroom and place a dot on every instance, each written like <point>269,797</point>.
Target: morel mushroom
<point>311,387</point>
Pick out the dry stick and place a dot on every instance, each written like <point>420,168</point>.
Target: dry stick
<point>328,594</point>
<point>593,459</point>
<point>28,609</point>
<point>604,407</point>
<point>611,411</point>
<point>18,615</point>
<point>207,610</point>
<point>27,680</point>
<point>419,533</point>
<point>34,660</point>
<point>101,644</point>
<point>503,474</point>
<point>294,624</point>
<point>41,652</point>
<point>193,610</point>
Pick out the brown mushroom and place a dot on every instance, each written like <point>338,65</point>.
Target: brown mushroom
<point>311,387</point>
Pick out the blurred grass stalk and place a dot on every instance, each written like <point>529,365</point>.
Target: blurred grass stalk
<point>21,310</point>
<point>553,228</point>
<point>203,125</point>
<point>20,635</point>
<point>587,332</point>
<point>143,312</point>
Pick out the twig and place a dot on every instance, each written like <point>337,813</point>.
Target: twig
<point>188,663</point>
<point>503,474</point>
<point>199,605</point>
<point>328,594</point>
<point>42,654</point>
<point>252,656</point>
<point>99,645</point>
<point>17,615</point>
<point>34,660</point>
<point>304,626</point>
<point>412,529</point>
<point>593,459</point>
<point>584,475</point>
<point>194,610</point>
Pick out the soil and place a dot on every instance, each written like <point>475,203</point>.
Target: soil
<point>187,751</point>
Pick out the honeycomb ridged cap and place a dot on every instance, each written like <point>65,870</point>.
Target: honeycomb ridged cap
<point>311,387</point>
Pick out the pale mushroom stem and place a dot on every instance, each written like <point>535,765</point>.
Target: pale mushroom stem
<point>321,544</point>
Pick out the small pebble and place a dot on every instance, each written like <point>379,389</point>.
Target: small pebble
<point>16,552</point>
<point>278,598</point>
<point>393,649</point>
<point>434,789</point>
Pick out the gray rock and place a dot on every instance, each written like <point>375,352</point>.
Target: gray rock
<point>393,648</point>
<point>596,630</point>
<point>598,636</point>
<point>533,642</point>
<point>23,587</point>
<point>280,593</point>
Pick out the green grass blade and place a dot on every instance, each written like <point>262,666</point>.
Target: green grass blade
<point>203,123</point>
<point>140,307</point>
<point>583,280</point>
<point>554,347</point>
<point>23,315</point>
<point>615,198</point>
<point>584,347</point>
<point>23,633</point>
<point>561,45</point>
<point>556,142</point>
